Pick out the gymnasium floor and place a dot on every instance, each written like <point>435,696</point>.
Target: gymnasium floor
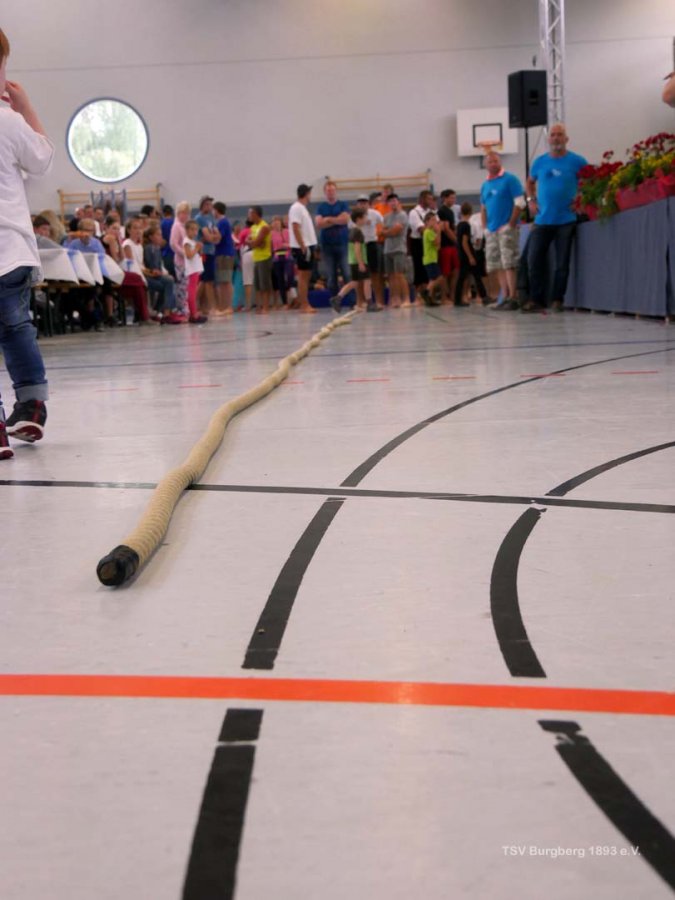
<point>440,520</point>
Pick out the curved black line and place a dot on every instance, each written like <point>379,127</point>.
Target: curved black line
<point>269,631</point>
<point>518,653</point>
<point>568,486</point>
<point>263,647</point>
<point>504,582</point>
<point>263,655</point>
<point>362,470</point>
<point>612,795</point>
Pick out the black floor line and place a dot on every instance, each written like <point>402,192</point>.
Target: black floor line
<point>261,654</point>
<point>344,493</point>
<point>648,837</point>
<point>515,645</point>
<point>368,465</point>
<point>267,636</point>
<point>504,582</point>
<point>264,647</point>
<point>568,486</point>
<point>212,866</point>
<point>324,354</point>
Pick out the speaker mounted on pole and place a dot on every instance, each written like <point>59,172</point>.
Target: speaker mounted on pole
<point>528,105</point>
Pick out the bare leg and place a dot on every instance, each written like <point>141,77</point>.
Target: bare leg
<point>503,285</point>
<point>303,291</point>
<point>360,296</point>
<point>378,288</point>
<point>400,289</point>
<point>210,293</point>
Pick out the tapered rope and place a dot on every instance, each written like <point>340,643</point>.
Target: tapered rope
<point>138,546</point>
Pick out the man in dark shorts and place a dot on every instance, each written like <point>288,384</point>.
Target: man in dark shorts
<point>372,228</point>
<point>224,258</point>
<point>448,254</point>
<point>394,231</point>
<point>209,237</point>
<point>302,240</point>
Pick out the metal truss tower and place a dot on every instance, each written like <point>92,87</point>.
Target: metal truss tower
<point>552,42</point>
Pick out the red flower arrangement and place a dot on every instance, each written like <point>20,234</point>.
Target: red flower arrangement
<point>647,175</point>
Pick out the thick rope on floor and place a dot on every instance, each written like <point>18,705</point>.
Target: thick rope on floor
<point>125,560</point>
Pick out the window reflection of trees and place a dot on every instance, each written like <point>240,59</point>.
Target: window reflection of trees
<point>107,140</point>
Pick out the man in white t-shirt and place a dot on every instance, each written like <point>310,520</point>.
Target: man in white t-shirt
<point>372,228</point>
<point>24,147</point>
<point>416,216</point>
<point>302,240</point>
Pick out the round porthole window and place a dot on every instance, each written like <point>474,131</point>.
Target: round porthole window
<point>107,140</point>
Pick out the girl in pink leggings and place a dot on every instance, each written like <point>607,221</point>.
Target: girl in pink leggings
<point>194,266</point>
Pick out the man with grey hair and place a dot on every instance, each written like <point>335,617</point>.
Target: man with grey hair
<point>501,203</point>
<point>551,188</point>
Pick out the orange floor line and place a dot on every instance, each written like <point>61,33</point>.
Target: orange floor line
<point>655,703</point>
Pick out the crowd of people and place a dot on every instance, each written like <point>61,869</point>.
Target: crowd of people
<point>177,269</point>
<point>181,268</point>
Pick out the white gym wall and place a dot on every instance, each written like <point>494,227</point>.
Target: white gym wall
<point>246,99</point>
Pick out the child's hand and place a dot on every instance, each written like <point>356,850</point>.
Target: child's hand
<point>17,97</point>
<point>199,246</point>
<point>362,267</point>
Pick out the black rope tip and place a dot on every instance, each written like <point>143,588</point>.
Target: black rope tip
<point>118,566</point>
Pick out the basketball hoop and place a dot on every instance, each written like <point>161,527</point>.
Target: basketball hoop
<point>489,146</point>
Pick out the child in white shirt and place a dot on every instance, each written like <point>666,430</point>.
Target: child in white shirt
<point>194,267</point>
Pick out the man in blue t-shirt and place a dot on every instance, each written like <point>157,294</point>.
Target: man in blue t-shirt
<point>501,202</point>
<point>224,260</point>
<point>551,189</point>
<point>209,236</point>
<point>167,253</point>
<point>332,217</point>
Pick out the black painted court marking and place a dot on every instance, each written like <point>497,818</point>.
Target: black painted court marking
<point>518,653</point>
<point>117,485</point>
<point>241,725</point>
<point>212,866</point>
<point>567,486</point>
<point>268,634</point>
<point>364,468</point>
<point>616,800</point>
<point>344,493</point>
<point>264,645</point>
<point>262,651</point>
<point>341,493</point>
<point>356,353</point>
<point>504,582</point>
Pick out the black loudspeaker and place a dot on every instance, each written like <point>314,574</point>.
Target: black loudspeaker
<point>527,99</point>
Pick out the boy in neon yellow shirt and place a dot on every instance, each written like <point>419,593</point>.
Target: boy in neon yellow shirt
<point>431,241</point>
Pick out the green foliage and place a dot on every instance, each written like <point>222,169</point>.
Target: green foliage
<point>107,140</point>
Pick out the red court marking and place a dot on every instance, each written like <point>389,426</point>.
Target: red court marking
<point>493,696</point>
<point>452,377</point>
<point>359,380</point>
<point>199,385</point>
<point>645,372</point>
<point>111,390</point>
<point>290,382</point>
